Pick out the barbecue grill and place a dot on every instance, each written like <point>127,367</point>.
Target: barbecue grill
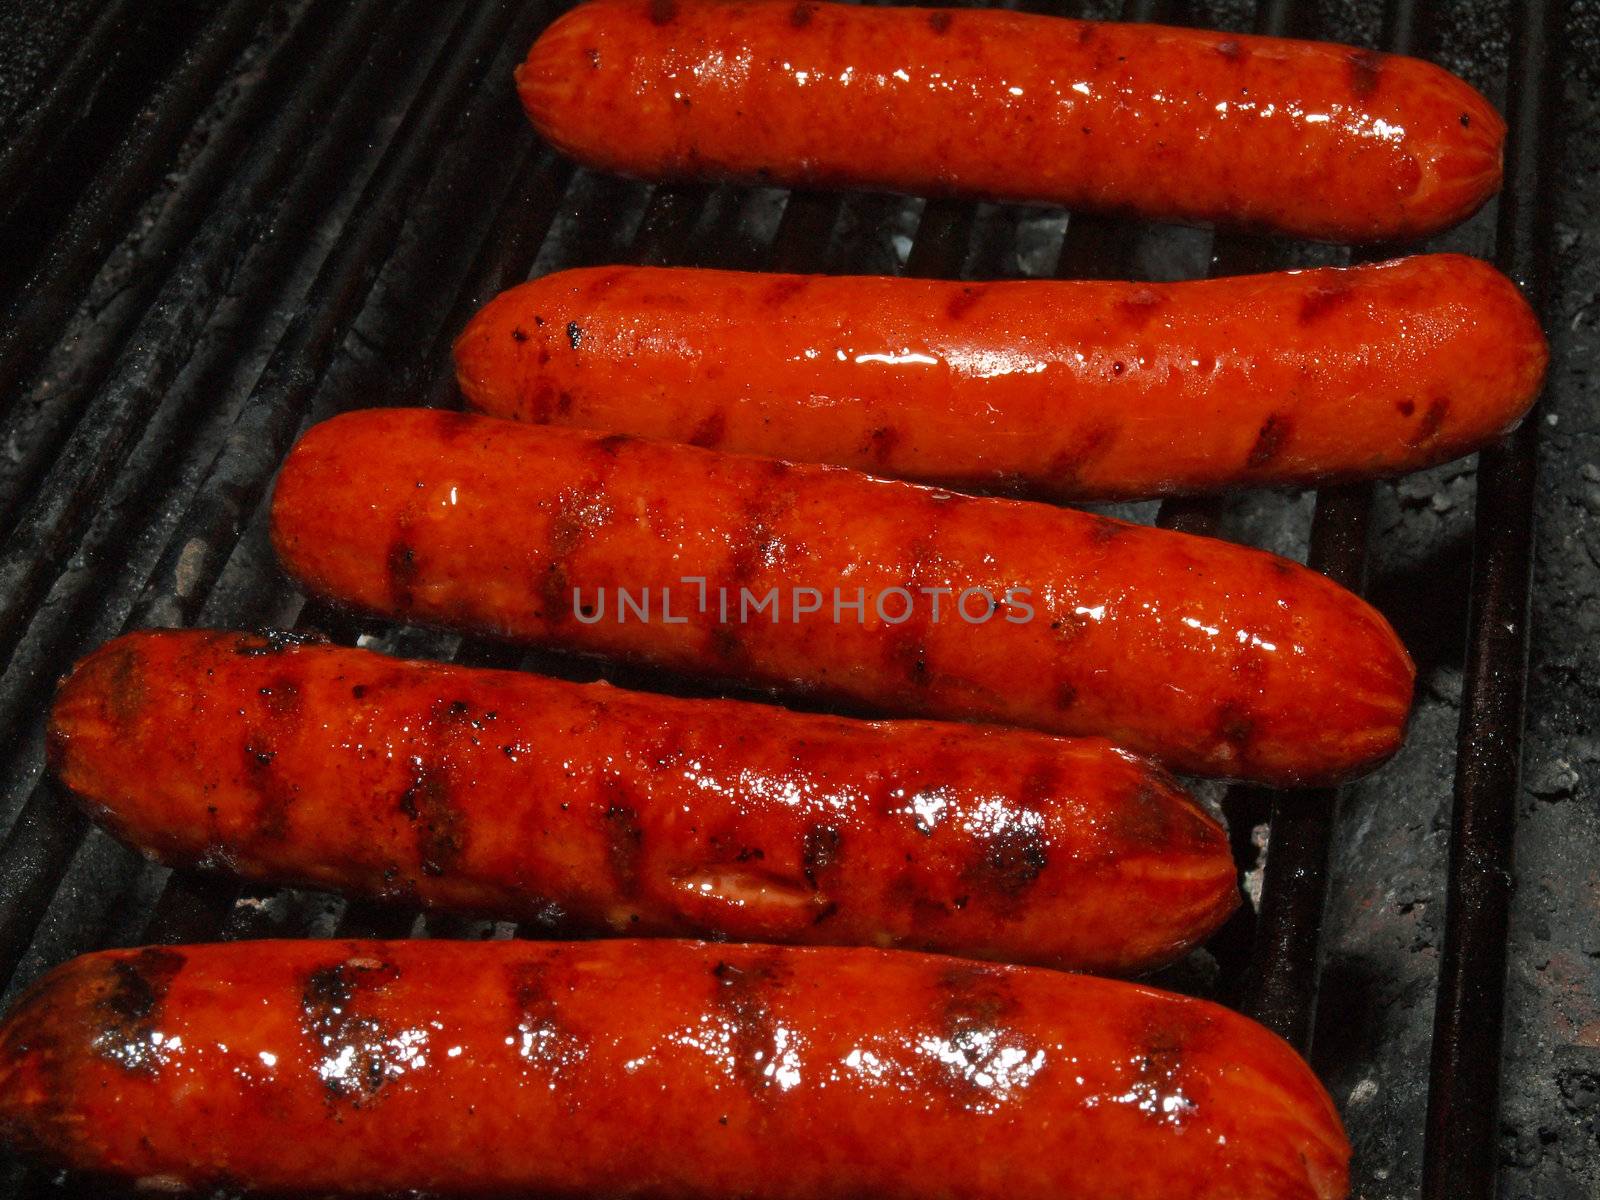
<point>221,221</point>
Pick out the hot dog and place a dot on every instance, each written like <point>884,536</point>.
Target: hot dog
<point>586,808</point>
<point>1080,390</point>
<point>1212,657</point>
<point>1311,139</point>
<point>667,1069</point>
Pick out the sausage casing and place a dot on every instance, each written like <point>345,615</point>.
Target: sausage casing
<point>1212,657</point>
<point>1307,138</point>
<point>675,1070</point>
<point>1069,390</point>
<point>586,808</point>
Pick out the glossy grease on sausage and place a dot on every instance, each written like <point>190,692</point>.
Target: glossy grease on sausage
<point>1307,138</point>
<point>676,1070</point>
<point>1212,657</point>
<point>586,808</point>
<point>1069,390</point>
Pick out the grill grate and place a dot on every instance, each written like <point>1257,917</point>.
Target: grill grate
<point>296,205</point>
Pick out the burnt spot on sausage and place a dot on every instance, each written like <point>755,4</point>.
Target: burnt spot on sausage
<point>1230,50</point>
<point>961,303</point>
<point>1365,68</point>
<point>401,565</point>
<point>519,334</point>
<point>1270,440</point>
<point>710,432</point>
<point>612,444</point>
<point>1011,852</point>
<point>1406,407</point>
<point>593,55</point>
<point>126,1014</point>
<point>743,1011</point>
<point>1320,301</point>
<point>538,1033</point>
<point>564,403</point>
<point>1066,696</point>
<point>882,443</point>
<point>819,851</point>
<point>624,838</point>
<point>441,828</point>
<point>800,15</point>
<point>939,21</point>
<point>1432,421</point>
<point>357,1053</point>
<point>663,12</point>
<point>574,334</point>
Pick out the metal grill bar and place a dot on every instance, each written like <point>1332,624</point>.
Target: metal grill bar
<point>1463,1102</point>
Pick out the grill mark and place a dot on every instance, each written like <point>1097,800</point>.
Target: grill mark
<point>624,838</point>
<point>961,303</point>
<point>1138,306</point>
<point>125,1015</point>
<point>1236,726</point>
<point>441,828</point>
<point>401,565</point>
<point>974,1021</point>
<point>1067,466</point>
<point>819,851</point>
<point>274,797</point>
<point>741,1001</point>
<point>1432,421</point>
<point>357,1054</point>
<point>781,291</point>
<point>1008,860</point>
<point>800,15</point>
<point>1366,67</point>
<point>882,442</point>
<point>663,12</point>
<point>1320,301</point>
<point>1275,431</point>
<point>939,21</point>
<point>579,512</point>
<point>906,644</point>
<point>758,550</point>
<point>539,1035</point>
<point>710,432</point>
<point>451,426</point>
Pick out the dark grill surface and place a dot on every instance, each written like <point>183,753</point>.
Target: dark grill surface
<point>221,220</point>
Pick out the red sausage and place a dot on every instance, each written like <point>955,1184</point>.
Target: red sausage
<point>1212,657</point>
<point>583,808</point>
<point>1306,138</point>
<point>675,1070</point>
<point>1080,390</point>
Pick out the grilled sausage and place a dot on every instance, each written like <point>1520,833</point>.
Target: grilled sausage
<point>585,808</point>
<point>1213,657</point>
<point>675,1070</point>
<point>1068,390</point>
<point>1306,138</point>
